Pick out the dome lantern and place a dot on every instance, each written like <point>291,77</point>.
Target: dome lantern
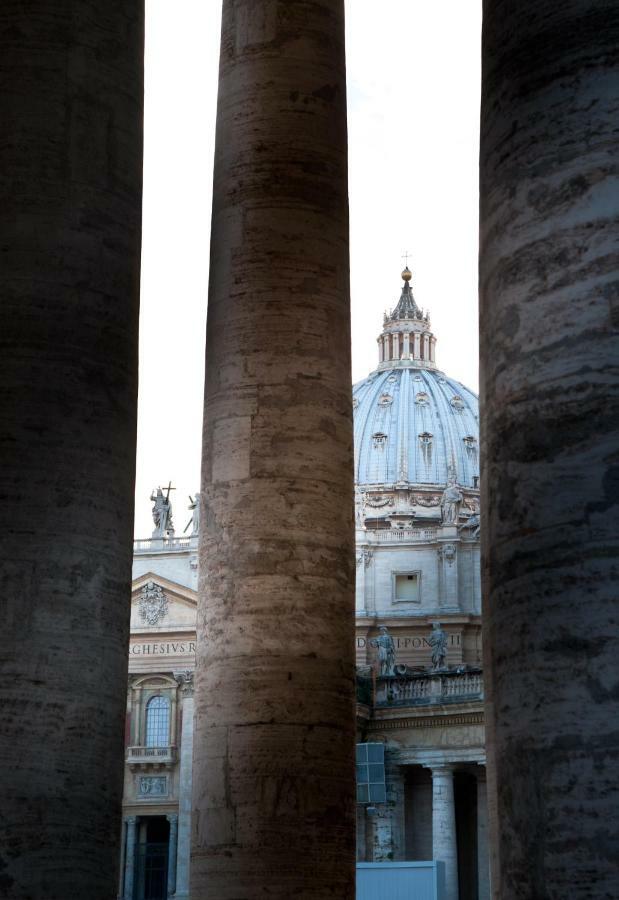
<point>406,339</point>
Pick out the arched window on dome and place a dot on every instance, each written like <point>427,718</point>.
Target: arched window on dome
<point>158,722</point>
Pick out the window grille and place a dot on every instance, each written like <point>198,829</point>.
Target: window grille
<point>157,722</point>
<point>371,773</point>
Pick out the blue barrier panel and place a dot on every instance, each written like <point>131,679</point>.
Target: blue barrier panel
<point>398,881</point>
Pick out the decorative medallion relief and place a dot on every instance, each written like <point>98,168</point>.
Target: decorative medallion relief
<point>447,553</point>
<point>153,603</point>
<point>152,786</point>
<point>457,403</point>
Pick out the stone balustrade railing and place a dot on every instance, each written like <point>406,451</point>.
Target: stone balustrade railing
<point>151,756</point>
<point>164,545</point>
<point>405,535</point>
<point>420,690</point>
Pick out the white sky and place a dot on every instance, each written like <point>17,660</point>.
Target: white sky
<point>413,97</point>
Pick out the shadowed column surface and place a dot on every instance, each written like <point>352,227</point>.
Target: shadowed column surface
<point>70,211</point>
<point>549,283</point>
<point>273,771</point>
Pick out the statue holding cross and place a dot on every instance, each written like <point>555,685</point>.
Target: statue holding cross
<point>162,512</point>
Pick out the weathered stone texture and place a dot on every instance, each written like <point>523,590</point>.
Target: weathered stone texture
<point>70,212</point>
<point>550,417</point>
<point>274,747</point>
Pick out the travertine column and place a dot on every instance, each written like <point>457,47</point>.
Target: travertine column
<point>444,846</point>
<point>172,848</point>
<point>274,806</point>
<point>387,824</point>
<point>550,431</point>
<point>184,787</point>
<point>483,866</point>
<point>71,161</point>
<point>407,347</point>
<point>130,848</point>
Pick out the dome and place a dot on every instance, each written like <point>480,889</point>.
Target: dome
<point>413,424</point>
<point>416,426</point>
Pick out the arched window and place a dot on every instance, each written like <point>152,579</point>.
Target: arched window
<point>158,722</point>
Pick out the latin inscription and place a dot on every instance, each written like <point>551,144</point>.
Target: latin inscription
<point>169,648</point>
<point>403,643</point>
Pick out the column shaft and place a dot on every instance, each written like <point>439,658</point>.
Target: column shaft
<point>273,777</point>
<point>549,434</point>
<point>483,865</point>
<point>71,158</point>
<point>130,848</point>
<point>184,798</point>
<point>416,345</point>
<point>172,851</point>
<point>444,845</point>
<point>388,823</point>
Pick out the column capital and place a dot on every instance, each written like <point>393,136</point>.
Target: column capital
<point>441,769</point>
<point>172,818</point>
<point>131,820</point>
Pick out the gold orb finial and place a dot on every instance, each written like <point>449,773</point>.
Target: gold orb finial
<point>407,274</point>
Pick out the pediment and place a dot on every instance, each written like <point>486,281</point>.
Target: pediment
<point>158,604</point>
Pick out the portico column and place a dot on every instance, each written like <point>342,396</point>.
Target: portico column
<point>387,824</point>
<point>172,849</point>
<point>273,777</point>
<point>71,107</point>
<point>444,846</point>
<point>549,415</point>
<point>130,847</point>
<point>483,863</point>
<point>185,680</point>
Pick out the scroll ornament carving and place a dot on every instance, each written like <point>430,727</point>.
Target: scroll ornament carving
<point>379,500</point>
<point>185,681</point>
<point>426,500</point>
<point>365,557</point>
<point>153,603</point>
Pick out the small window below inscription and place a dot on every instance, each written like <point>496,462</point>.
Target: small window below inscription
<point>406,587</point>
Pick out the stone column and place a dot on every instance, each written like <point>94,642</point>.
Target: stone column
<point>185,679</point>
<point>417,345</point>
<point>444,846</point>
<point>407,345</point>
<point>381,350</point>
<point>130,848</point>
<point>386,354</point>
<point>172,849</point>
<point>483,863</point>
<point>549,313</point>
<point>447,554</point>
<point>426,347</point>
<point>387,824</point>
<point>395,346</point>
<point>71,158</point>
<point>273,777</point>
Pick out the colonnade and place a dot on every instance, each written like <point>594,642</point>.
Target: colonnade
<point>406,345</point>
<point>387,840</point>
<point>273,757</point>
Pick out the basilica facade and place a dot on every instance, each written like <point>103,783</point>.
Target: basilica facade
<point>421,788</point>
